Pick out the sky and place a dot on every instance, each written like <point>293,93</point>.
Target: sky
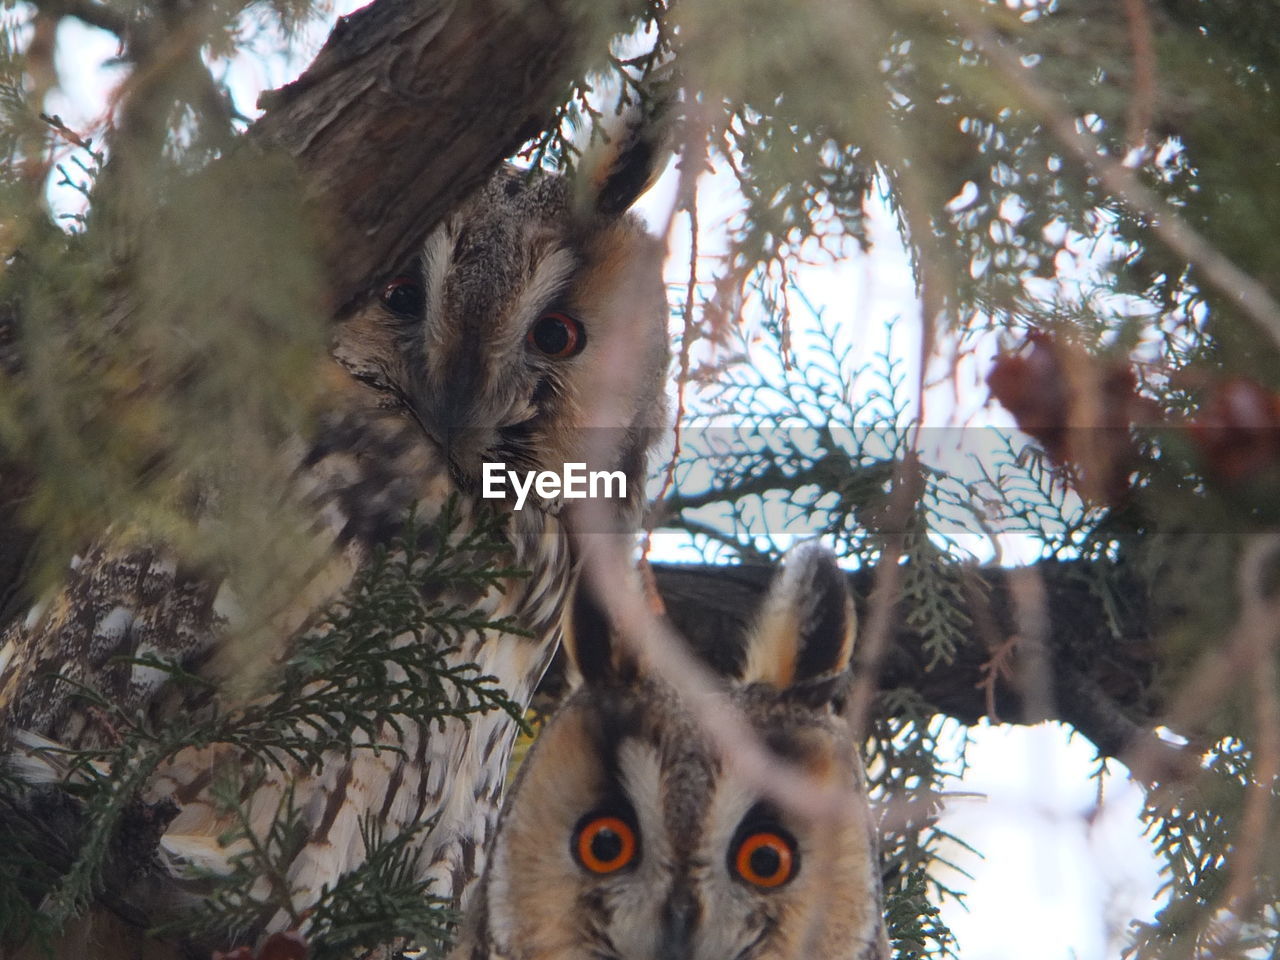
<point>1065,865</point>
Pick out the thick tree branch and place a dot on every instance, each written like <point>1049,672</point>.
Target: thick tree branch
<point>1101,682</point>
<point>89,12</point>
<point>410,106</point>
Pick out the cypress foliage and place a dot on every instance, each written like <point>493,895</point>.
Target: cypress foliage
<point>1085,188</point>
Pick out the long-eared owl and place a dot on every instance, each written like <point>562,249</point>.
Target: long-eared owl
<point>629,835</point>
<point>530,332</point>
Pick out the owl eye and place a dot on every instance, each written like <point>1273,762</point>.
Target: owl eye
<point>604,844</point>
<point>765,859</point>
<point>557,335</point>
<point>403,296</point>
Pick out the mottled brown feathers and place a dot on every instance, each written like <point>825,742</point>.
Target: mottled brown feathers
<point>627,749</point>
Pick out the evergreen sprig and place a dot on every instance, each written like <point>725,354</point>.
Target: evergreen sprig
<point>378,660</point>
<point>1195,831</point>
<point>379,902</point>
<point>906,771</point>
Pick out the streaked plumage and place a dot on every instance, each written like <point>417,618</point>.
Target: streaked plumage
<point>440,373</point>
<point>699,863</point>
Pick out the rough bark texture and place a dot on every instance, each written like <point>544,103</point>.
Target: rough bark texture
<point>410,106</point>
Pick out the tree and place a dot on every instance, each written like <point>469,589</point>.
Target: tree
<point>1008,140</point>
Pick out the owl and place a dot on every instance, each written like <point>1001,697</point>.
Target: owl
<point>529,333</point>
<point>628,835</point>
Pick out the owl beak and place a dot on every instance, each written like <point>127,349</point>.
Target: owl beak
<point>455,428</point>
<point>680,916</point>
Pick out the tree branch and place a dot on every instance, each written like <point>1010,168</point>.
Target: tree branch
<point>409,107</point>
<point>1101,682</point>
<point>1250,295</point>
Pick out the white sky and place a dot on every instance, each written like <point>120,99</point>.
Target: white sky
<point>1062,873</point>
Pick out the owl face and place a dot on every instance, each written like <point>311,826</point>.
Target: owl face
<point>628,837</point>
<point>530,332</point>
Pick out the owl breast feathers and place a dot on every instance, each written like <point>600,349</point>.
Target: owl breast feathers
<point>629,835</point>
<point>531,332</point>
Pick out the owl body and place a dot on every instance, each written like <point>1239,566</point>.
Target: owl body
<point>629,835</point>
<point>497,344</point>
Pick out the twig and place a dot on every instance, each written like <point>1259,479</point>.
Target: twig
<point>1143,100</point>
<point>75,139</point>
<point>996,670</point>
<point>1258,634</point>
<point>693,163</point>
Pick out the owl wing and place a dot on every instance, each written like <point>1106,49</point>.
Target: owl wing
<point>118,604</point>
<point>133,639</point>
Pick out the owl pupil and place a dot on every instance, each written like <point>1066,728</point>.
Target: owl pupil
<point>551,335</point>
<point>403,297</point>
<point>606,845</point>
<point>765,862</point>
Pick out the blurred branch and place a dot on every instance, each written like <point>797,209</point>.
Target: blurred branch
<point>406,109</point>
<point>1218,270</point>
<point>1143,98</point>
<point>1257,631</point>
<point>877,634</point>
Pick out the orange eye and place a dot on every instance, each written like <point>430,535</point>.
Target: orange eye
<point>605,844</point>
<point>765,859</point>
<point>557,335</point>
<point>403,296</point>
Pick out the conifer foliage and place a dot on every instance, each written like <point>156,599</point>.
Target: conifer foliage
<point>1088,197</point>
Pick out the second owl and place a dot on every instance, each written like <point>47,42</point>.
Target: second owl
<point>628,835</point>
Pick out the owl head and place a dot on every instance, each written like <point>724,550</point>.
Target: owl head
<point>627,834</point>
<point>531,331</point>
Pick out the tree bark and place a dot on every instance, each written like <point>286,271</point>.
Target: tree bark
<point>1101,671</point>
<point>410,106</point>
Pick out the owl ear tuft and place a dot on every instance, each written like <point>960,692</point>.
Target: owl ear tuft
<point>805,628</point>
<point>636,151</point>
<point>592,641</point>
